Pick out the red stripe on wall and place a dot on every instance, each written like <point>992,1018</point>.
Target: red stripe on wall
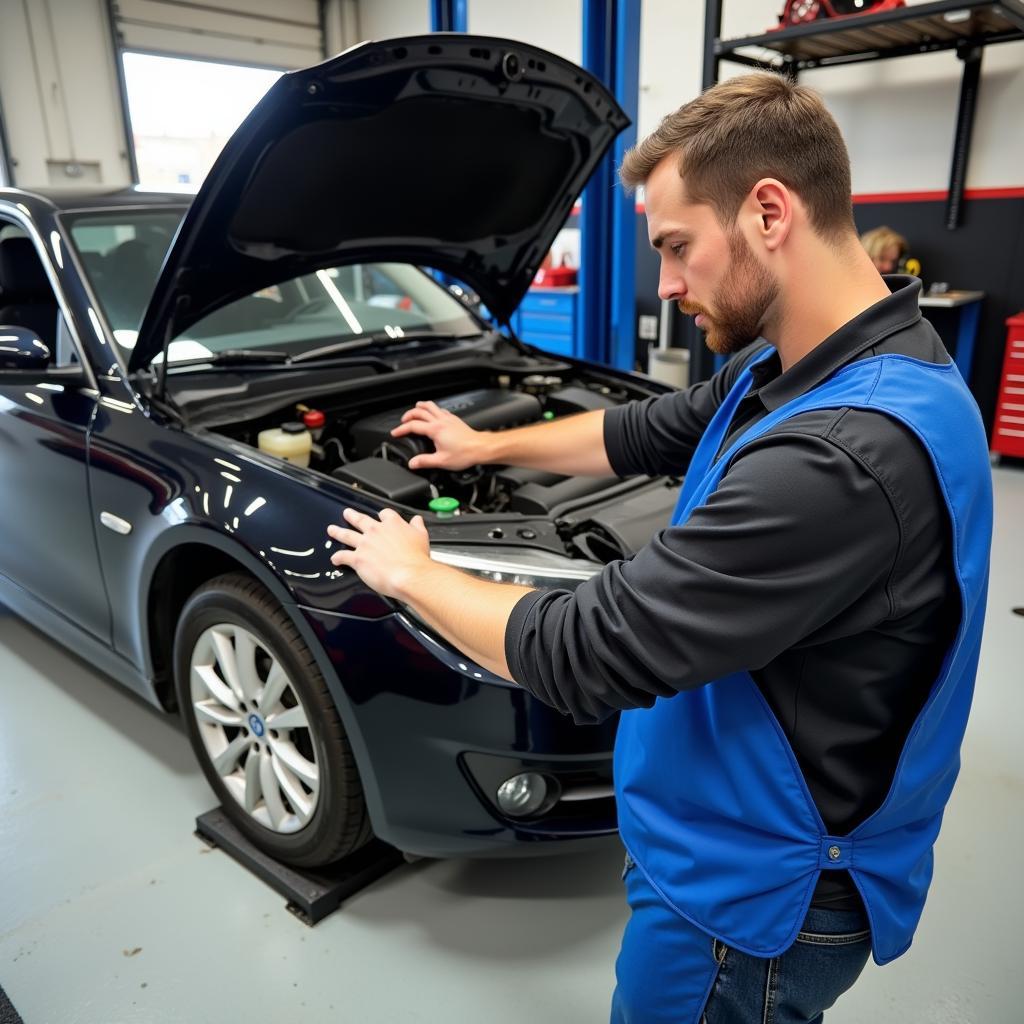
<point>938,196</point>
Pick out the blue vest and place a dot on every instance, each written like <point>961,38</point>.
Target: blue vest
<point>712,805</point>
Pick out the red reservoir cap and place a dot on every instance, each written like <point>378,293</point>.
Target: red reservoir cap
<point>314,419</point>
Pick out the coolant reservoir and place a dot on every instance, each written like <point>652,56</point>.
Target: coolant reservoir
<point>290,441</point>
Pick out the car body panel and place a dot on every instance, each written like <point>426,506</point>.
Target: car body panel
<point>405,696</point>
<point>43,441</point>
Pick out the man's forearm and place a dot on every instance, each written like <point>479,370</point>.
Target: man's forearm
<point>573,446</point>
<point>470,613</point>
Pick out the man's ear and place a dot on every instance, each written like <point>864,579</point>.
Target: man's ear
<point>771,204</point>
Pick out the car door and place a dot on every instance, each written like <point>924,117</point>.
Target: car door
<point>47,539</point>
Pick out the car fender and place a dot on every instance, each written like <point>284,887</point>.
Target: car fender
<point>188,533</point>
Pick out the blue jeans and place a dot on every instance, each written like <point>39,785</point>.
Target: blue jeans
<point>670,971</point>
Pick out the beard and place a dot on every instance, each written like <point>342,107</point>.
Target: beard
<point>741,302</point>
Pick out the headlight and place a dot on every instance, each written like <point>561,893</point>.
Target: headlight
<point>527,567</point>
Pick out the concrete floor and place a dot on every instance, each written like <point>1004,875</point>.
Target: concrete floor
<point>113,912</point>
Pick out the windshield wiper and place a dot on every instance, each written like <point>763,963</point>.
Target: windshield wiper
<point>244,356</point>
<point>236,357</point>
<point>378,338</point>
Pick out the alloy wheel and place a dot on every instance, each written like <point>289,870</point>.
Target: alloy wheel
<point>254,727</point>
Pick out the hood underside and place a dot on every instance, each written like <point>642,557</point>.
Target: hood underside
<point>457,152</point>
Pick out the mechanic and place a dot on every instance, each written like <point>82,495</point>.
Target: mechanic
<point>795,654</point>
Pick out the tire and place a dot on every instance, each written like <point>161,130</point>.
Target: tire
<point>240,666</point>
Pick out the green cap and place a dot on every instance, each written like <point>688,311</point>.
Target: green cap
<point>549,415</point>
<point>444,506</point>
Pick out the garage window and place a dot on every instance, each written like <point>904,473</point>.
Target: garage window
<point>183,111</point>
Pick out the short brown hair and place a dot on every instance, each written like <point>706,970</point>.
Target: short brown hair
<point>747,128</point>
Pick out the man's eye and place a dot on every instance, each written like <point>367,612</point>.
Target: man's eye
<point>677,248</point>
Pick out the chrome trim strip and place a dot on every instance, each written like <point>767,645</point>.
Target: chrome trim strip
<point>595,792</point>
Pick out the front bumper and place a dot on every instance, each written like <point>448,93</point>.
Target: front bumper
<point>434,735</point>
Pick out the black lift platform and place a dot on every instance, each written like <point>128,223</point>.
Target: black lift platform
<point>310,895</point>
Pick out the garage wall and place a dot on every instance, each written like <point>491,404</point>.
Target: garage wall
<point>59,93</point>
<point>62,113</point>
<point>58,83</point>
<point>557,27</point>
<point>384,19</point>
<point>341,25</point>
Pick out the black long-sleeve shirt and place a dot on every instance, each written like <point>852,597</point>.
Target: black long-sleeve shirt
<point>821,564</point>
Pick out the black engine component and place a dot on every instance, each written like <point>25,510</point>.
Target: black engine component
<point>391,481</point>
<point>620,528</point>
<point>511,478</point>
<point>576,399</point>
<point>485,409</point>
<point>535,499</point>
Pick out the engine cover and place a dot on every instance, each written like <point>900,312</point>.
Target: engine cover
<point>484,409</point>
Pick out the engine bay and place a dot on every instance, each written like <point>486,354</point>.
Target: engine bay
<point>349,439</point>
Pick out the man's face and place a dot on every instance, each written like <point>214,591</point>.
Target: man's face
<point>710,272</point>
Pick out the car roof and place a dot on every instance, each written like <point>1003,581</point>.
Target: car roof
<point>99,199</point>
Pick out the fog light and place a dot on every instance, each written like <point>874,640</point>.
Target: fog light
<point>523,794</point>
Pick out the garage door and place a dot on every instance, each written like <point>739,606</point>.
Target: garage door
<point>252,32</point>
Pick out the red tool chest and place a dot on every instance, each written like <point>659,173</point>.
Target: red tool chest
<point>1008,429</point>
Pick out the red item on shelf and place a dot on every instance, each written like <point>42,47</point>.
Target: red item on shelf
<point>800,12</point>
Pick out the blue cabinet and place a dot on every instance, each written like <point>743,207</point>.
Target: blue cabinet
<point>547,318</point>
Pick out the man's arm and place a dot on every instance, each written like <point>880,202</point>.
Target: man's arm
<point>572,445</point>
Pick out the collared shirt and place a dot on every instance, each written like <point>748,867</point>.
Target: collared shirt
<point>821,564</point>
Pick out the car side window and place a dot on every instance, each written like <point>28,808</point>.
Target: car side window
<point>26,296</point>
<point>64,353</point>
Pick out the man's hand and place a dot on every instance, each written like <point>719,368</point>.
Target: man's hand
<point>393,557</point>
<point>386,553</point>
<point>458,445</point>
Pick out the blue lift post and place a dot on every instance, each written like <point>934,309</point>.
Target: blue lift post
<point>448,15</point>
<point>607,310</point>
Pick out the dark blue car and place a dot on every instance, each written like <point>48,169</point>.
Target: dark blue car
<point>190,392</point>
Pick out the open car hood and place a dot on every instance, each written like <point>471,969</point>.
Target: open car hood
<point>458,152</point>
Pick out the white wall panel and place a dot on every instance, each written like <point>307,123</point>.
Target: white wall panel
<point>341,25</point>
<point>671,54</point>
<point>555,26</point>
<point>385,19</point>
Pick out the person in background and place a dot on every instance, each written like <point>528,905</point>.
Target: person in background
<point>885,247</point>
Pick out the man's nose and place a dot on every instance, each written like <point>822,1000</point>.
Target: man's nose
<point>670,286</point>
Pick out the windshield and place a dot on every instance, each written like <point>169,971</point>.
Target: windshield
<point>122,253</point>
